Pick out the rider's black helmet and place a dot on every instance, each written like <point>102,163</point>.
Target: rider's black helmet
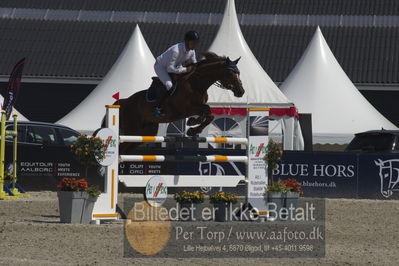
<point>191,35</point>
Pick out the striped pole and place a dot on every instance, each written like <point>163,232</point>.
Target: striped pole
<point>3,194</point>
<point>160,139</point>
<point>172,158</point>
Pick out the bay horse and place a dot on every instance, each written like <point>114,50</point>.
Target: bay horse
<point>189,99</point>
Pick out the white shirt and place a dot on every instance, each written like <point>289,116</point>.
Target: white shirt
<point>175,57</point>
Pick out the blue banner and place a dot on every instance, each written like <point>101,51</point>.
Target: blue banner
<point>332,175</point>
<point>343,175</point>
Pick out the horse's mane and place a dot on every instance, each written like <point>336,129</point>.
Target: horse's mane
<point>210,57</point>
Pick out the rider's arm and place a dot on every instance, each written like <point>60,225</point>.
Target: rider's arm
<point>192,59</point>
<point>171,67</point>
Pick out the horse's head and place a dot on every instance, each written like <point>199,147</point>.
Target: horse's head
<point>229,74</point>
<point>231,78</point>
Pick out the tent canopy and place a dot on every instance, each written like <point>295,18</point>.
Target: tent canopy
<point>260,89</point>
<point>318,85</point>
<point>131,73</point>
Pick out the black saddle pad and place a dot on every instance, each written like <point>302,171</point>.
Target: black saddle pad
<point>156,90</point>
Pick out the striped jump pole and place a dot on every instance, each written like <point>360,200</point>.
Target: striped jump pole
<point>173,158</point>
<point>255,178</point>
<point>161,139</point>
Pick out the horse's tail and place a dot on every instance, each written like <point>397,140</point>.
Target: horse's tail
<point>103,121</point>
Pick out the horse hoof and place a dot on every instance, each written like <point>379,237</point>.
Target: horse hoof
<point>191,132</point>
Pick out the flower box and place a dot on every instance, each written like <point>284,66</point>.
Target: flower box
<point>71,205</point>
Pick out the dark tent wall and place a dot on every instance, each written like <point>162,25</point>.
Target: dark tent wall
<point>82,51</point>
<point>386,102</point>
<point>48,102</point>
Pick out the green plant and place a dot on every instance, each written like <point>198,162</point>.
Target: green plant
<point>94,191</point>
<point>276,187</point>
<point>274,154</point>
<point>220,197</point>
<point>190,197</point>
<point>87,149</point>
<point>273,157</point>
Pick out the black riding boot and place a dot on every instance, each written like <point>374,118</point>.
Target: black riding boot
<point>158,109</point>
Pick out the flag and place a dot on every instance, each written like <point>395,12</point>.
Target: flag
<point>116,96</point>
<point>14,83</point>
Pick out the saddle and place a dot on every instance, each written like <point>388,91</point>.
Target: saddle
<point>157,89</point>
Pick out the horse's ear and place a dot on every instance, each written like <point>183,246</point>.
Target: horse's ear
<point>236,61</point>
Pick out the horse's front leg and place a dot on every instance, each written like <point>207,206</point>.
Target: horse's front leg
<point>205,116</point>
<point>192,121</point>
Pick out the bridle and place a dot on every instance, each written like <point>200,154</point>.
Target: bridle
<point>219,83</point>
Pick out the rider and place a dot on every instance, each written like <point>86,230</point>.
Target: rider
<point>174,60</point>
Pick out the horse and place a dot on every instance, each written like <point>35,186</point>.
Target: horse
<point>188,100</point>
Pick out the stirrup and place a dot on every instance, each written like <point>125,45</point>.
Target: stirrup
<point>158,112</point>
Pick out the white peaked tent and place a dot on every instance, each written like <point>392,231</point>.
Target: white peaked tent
<point>14,111</point>
<point>131,73</point>
<point>260,89</point>
<point>318,85</point>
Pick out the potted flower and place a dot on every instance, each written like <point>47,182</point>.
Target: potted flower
<point>71,198</point>
<point>275,195</point>
<point>76,199</point>
<point>222,202</point>
<point>273,158</point>
<point>190,204</point>
<point>294,190</point>
<point>93,193</point>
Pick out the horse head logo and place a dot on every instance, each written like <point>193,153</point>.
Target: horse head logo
<point>389,176</point>
<point>209,168</point>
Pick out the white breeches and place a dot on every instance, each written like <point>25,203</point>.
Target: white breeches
<point>163,75</point>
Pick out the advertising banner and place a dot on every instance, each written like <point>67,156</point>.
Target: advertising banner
<point>257,173</point>
<point>332,175</point>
